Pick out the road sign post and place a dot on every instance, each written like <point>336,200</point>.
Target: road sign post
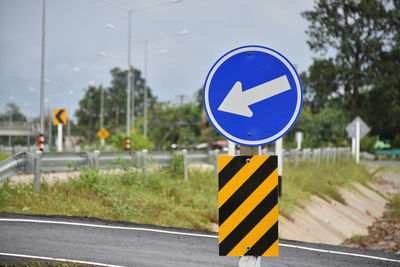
<point>103,134</point>
<point>357,141</point>
<point>252,96</point>
<point>299,139</point>
<point>356,130</point>
<point>60,119</point>
<point>279,153</point>
<point>59,138</point>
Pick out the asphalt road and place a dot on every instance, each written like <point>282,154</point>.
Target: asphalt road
<point>128,244</point>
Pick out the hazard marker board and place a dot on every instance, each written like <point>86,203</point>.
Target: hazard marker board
<point>248,205</point>
<point>60,116</point>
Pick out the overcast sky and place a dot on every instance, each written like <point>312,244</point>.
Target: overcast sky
<point>77,33</point>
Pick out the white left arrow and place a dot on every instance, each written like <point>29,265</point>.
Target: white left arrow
<point>238,102</point>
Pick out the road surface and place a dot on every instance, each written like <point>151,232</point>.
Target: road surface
<point>126,244</point>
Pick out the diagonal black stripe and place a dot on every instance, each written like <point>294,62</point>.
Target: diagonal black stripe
<point>231,169</point>
<point>247,188</point>
<point>58,116</point>
<point>248,223</point>
<point>264,242</point>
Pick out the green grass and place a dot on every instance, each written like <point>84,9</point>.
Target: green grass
<point>163,198</point>
<point>323,180</point>
<point>36,263</point>
<point>394,207</point>
<point>356,238</point>
<point>4,156</point>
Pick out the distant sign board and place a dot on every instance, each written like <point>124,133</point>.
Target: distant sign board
<point>351,128</point>
<point>60,116</point>
<point>253,95</point>
<point>103,133</point>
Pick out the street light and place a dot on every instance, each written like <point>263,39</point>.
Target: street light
<point>146,44</point>
<point>129,86</point>
<point>42,80</point>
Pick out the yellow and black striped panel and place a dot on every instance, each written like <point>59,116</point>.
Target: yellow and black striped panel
<point>248,205</point>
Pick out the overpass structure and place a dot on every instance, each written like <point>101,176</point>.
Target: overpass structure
<point>18,129</point>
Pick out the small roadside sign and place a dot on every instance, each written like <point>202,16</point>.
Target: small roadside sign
<point>60,116</point>
<point>103,133</point>
<point>253,95</point>
<point>248,205</point>
<point>351,128</point>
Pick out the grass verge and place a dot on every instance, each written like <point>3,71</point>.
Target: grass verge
<point>4,156</point>
<point>37,263</point>
<point>163,198</point>
<point>323,180</point>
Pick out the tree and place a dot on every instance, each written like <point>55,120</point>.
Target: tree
<point>320,84</point>
<point>12,113</point>
<point>115,100</point>
<point>357,32</point>
<point>118,95</point>
<point>12,110</point>
<point>88,114</point>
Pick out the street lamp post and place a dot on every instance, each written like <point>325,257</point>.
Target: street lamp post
<point>146,43</point>
<point>102,141</point>
<point>131,77</point>
<point>42,80</point>
<point>9,128</point>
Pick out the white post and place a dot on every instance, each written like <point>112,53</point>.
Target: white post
<point>279,153</point>
<point>231,148</point>
<point>250,261</point>
<point>353,145</point>
<point>59,137</point>
<point>299,139</point>
<point>357,141</point>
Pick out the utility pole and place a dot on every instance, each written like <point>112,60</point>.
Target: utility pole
<point>9,128</point>
<point>41,140</point>
<point>102,141</point>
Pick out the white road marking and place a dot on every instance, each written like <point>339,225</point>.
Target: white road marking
<point>58,259</point>
<point>108,227</point>
<point>185,234</point>
<point>339,253</point>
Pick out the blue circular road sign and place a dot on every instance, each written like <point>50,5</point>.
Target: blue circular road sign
<point>253,95</point>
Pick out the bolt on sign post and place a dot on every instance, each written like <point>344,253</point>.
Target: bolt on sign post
<point>60,119</point>
<point>252,96</point>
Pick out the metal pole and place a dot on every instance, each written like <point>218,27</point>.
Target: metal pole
<point>231,148</point>
<point>42,71</point>
<point>279,153</point>
<point>145,89</point>
<point>9,128</point>
<point>249,261</point>
<point>357,141</point>
<point>102,140</point>
<point>50,129</point>
<point>37,166</point>
<point>128,89</point>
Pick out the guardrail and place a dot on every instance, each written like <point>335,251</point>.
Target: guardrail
<point>37,162</point>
